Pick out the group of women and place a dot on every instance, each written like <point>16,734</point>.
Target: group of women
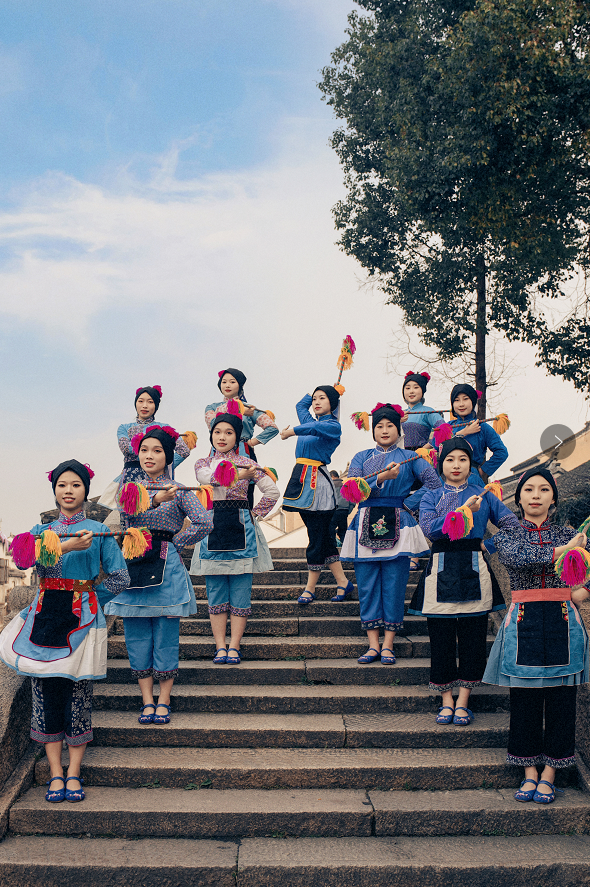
<point>541,651</point>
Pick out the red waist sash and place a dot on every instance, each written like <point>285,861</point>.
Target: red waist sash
<point>526,595</point>
<point>66,584</point>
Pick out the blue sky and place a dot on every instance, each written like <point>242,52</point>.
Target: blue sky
<point>166,188</point>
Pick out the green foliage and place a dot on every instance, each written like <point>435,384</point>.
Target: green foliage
<point>465,150</point>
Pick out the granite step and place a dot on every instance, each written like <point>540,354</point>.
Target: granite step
<point>292,671</point>
<point>286,577</point>
<point>301,626</point>
<point>395,769</point>
<point>146,812</point>
<point>290,609</point>
<point>494,861</point>
<point>300,698</point>
<point>277,730</point>
<point>551,861</point>
<point>288,592</point>
<point>117,862</point>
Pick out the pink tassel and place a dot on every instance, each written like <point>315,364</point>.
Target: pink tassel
<point>22,548</point>
<point>233,408</point>
<point>574,568</point>
<point>136,441</point>
<point>442,433</point>
<point>225,474</point>
<point>454,526</point>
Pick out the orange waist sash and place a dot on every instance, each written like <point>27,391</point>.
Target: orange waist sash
<point>526,595</point>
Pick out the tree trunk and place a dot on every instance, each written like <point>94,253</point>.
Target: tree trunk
<point>480,336</point>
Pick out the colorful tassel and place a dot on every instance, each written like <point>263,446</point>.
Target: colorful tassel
<point>340,389</point>
<point>48,548</point>
<point>136,542</point>
<point>355,489</point>
<point>361,420</point>
<point>573,567</point>
<point>270,415</point>
<point>190,439</point>
<point>495,488</point>
<point>205,496</point>
<point>458,524</point>
<point>501,423</point>
<point>22,549</point>
<point>272,473</point>
<point>226,473</point>
<point>346,354</point>
<point>428,454</point>
<point>234,407</point>
<point>134,498</point>
<point>442,433</point>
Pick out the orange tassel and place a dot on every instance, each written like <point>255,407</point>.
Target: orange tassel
<point>190,439</point>
<point>270,414</point>
<point>340,389</point>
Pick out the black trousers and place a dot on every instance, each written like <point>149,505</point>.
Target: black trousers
<point>339,524</point>
<point>528,744</point>
<point>469,633</point>
<point>322,548</point>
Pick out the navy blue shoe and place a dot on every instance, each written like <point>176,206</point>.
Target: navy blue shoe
<point>338,598</point>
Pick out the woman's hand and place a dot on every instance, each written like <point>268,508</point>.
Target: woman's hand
<point>287,432</point>
<point>473,503</point>
<point>390,473</point>
<point>246,473</point>
<point>248,409</point>
<point>166,495</point>
<point>253,442</point>
<point>404,418</point>
<point>472,428</point>
<point>81,542</point>
<point>579,541</point>
<point>579,595</point>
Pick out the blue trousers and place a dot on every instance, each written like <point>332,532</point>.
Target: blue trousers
<point>382,591</point>
<point>152,646</point>
<point>231,594</point>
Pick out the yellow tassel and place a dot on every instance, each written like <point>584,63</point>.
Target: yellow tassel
<point>205,496</point>
<point>345,360</point>
<point>467,512</point>
<point>501,423</point>
<point>241,405</point>
<point>144,499</point>
<point>426,454</point>
<point>134,543</point>
<point>190,439</point>
<point>270,414</point>
<point>49,551</point>
<point>495,488</point>
<point>340,389</point>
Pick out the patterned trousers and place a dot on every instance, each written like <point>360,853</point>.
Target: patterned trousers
<point>62,709</point>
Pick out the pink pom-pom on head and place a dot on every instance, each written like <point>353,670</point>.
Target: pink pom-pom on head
<point>442,433</point>
<point>409,373</point>
<point>138,390</point>
<point>22,548</point>
<point>171,432</point>
<point>158,388</point>
<point>399,410</point>
<point>226,473</point>
<point>479,393</point>
<point>136,441</point>
<point>90,471</point>
<point>233,408</point>
<point>392,406</point>
<point>49,476</point>
<point>426,376</point>
<point>221,373</point>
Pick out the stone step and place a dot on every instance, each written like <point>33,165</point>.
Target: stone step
<point>495,861</point>
<point>290,609</point>
<point>304,626</point>
<point>295,699</point>
<point>196,814</point>
<point>288,648</point>
<point>259,730</point>
<point>395,769</point>
<point>289,592</point>
<point>286,577</point>
<point>551,861</point>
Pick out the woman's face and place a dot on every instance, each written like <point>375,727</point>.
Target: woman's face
<point>386,433</point>
<point>456,467</point>
<point>320,403</point>
<point>229,387</point>
<point>145,406</point>
<point>412,393</point>
<point>69,492</point>
<point>536,497</point>
<point>462,405</point>
<point>224,437</point>
<point>152,457</point>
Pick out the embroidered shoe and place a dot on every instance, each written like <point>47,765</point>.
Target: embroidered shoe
<point>527,795</point>
<point>338,598</point>
<point>54,796</point>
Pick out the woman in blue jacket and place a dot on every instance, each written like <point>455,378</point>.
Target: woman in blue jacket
<point>481,435</point>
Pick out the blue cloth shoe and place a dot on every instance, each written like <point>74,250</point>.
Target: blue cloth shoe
<point>162,719</point>
<point>75,794</point>
<point>233,660</point>
<point>149,718</point>
<point>387,660</point>
<point>529,794</point>
<point>304,601</point>
<point>54,796</point>
<point>368,657</point>
<point>546,799</point>
<point>462,720</point>
<point>338,598</point>
<point>445,719</point>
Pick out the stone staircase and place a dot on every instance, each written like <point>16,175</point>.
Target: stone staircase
<point>297,767</point>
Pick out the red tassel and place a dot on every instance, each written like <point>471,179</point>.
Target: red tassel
<point>442,433</point>
<point>225,474</point>
<point>22,548</point>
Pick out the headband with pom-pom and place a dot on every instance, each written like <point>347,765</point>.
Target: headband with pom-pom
<point>391,406</point>
<point>167,429</point>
